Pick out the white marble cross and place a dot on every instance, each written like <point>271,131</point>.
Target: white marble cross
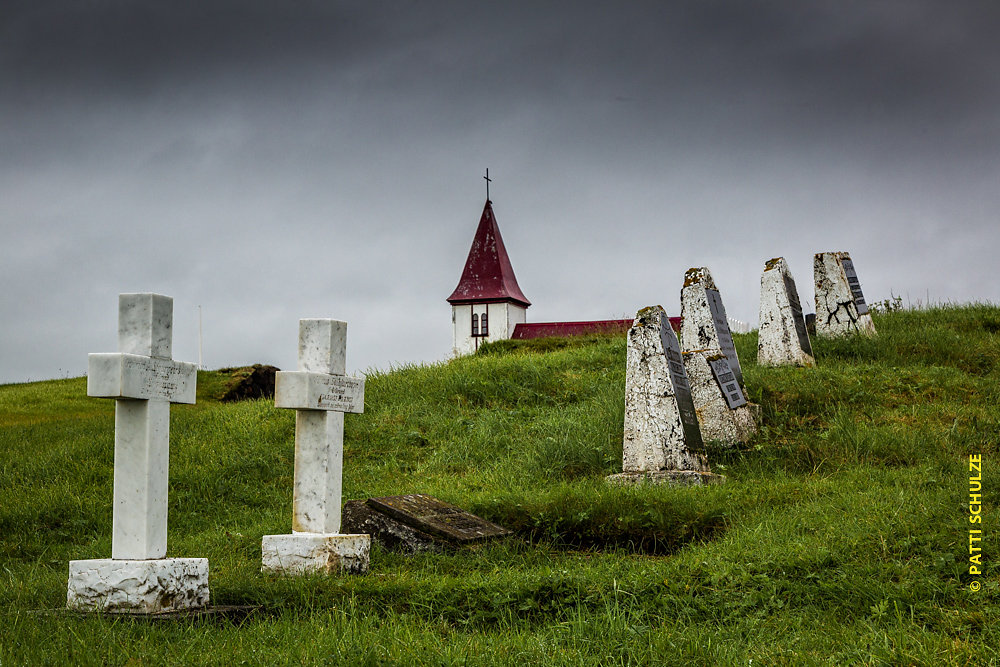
<point>144,380</point>
<point>320,393</point>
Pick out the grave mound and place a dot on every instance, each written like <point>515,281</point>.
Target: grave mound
<point>247,382</point>
<point>633,519</point>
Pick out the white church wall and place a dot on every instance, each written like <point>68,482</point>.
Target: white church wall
<point>501,319</point>
<point>515,315</point>
<point>461,318</point>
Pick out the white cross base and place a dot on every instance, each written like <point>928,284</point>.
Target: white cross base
<point>144,381</point>
<point>320,393</point>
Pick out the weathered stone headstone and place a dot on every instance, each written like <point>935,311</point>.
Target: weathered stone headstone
<point>713,368</point>
<point>320,393</point>
<point>782,339</point>
<point>662,441</point>
<point>418,522</point>
<point>840,306</point>
<point>704,325</point>
<point>144,381</point>
<point>725,416</point>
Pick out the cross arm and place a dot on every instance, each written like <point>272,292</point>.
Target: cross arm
<point>303,390</point>
<point>119,375</point>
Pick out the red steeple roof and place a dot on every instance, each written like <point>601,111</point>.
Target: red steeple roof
<point>488,275</point>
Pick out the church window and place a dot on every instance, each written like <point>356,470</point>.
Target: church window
<point>475,324</point>
<point>484,325</point>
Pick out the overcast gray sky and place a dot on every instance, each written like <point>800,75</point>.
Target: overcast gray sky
<point>276,160</point>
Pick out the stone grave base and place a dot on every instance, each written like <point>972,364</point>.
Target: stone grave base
<point>138,586</point>
<point>669,477</point>
<point>315,553</point>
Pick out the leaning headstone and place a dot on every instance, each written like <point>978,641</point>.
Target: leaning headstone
<point>144,381</point>
<point>725,416</point>
<point>320,393</point>
<point>782,339</point>
<point>417,522</point>
<point>662,441</point>
<point>840,306</point>
<point>704,325</point>
<point>713,368</point>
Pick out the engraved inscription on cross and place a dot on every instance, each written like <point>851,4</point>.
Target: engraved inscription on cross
<point>320,393</point>
<point>144,380</point>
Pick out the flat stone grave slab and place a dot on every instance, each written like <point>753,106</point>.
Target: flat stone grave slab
<point>435,519</point>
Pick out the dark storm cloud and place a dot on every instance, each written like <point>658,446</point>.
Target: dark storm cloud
<point>273,160</point>
<point>808,68</point>
<point>133,45</point>
<point>891,53</point>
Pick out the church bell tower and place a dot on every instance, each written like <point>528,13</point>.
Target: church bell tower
<point>488,303</point>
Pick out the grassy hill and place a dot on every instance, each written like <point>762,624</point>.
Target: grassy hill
<point>841,535</point>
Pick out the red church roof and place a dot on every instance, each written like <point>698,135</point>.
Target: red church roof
<point>488,276</point>
<point>526,330</point>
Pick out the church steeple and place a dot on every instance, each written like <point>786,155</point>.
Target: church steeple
<point>488,303</point>
<point>488,276</point>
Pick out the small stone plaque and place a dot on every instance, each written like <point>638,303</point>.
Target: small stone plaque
<point>855,285</point>
<point>726,343</point>
<point>727,382</point>
<point>796,305</point>
<point>682,389</point>
<point>437,518</point>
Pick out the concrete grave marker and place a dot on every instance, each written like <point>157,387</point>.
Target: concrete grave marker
<point>840,306</point>
<point>712,365</point>
<point>320,394</point>
<point>704,324</point>
<point>144,381</point>
<point>782,339</point>
<point>662,441</point>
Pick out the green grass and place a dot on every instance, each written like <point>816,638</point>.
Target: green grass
<point>839,537</point>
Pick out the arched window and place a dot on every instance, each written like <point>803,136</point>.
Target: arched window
<point>484,325</point>
<point>475,325</point>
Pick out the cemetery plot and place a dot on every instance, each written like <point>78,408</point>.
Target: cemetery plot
<point>138,578</point>
<point>783,338</point>
<point>840,306</point>
<point>662,441</point>
<point>320,394</point>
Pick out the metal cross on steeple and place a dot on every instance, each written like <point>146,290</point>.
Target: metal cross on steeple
<point>488,180</point>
